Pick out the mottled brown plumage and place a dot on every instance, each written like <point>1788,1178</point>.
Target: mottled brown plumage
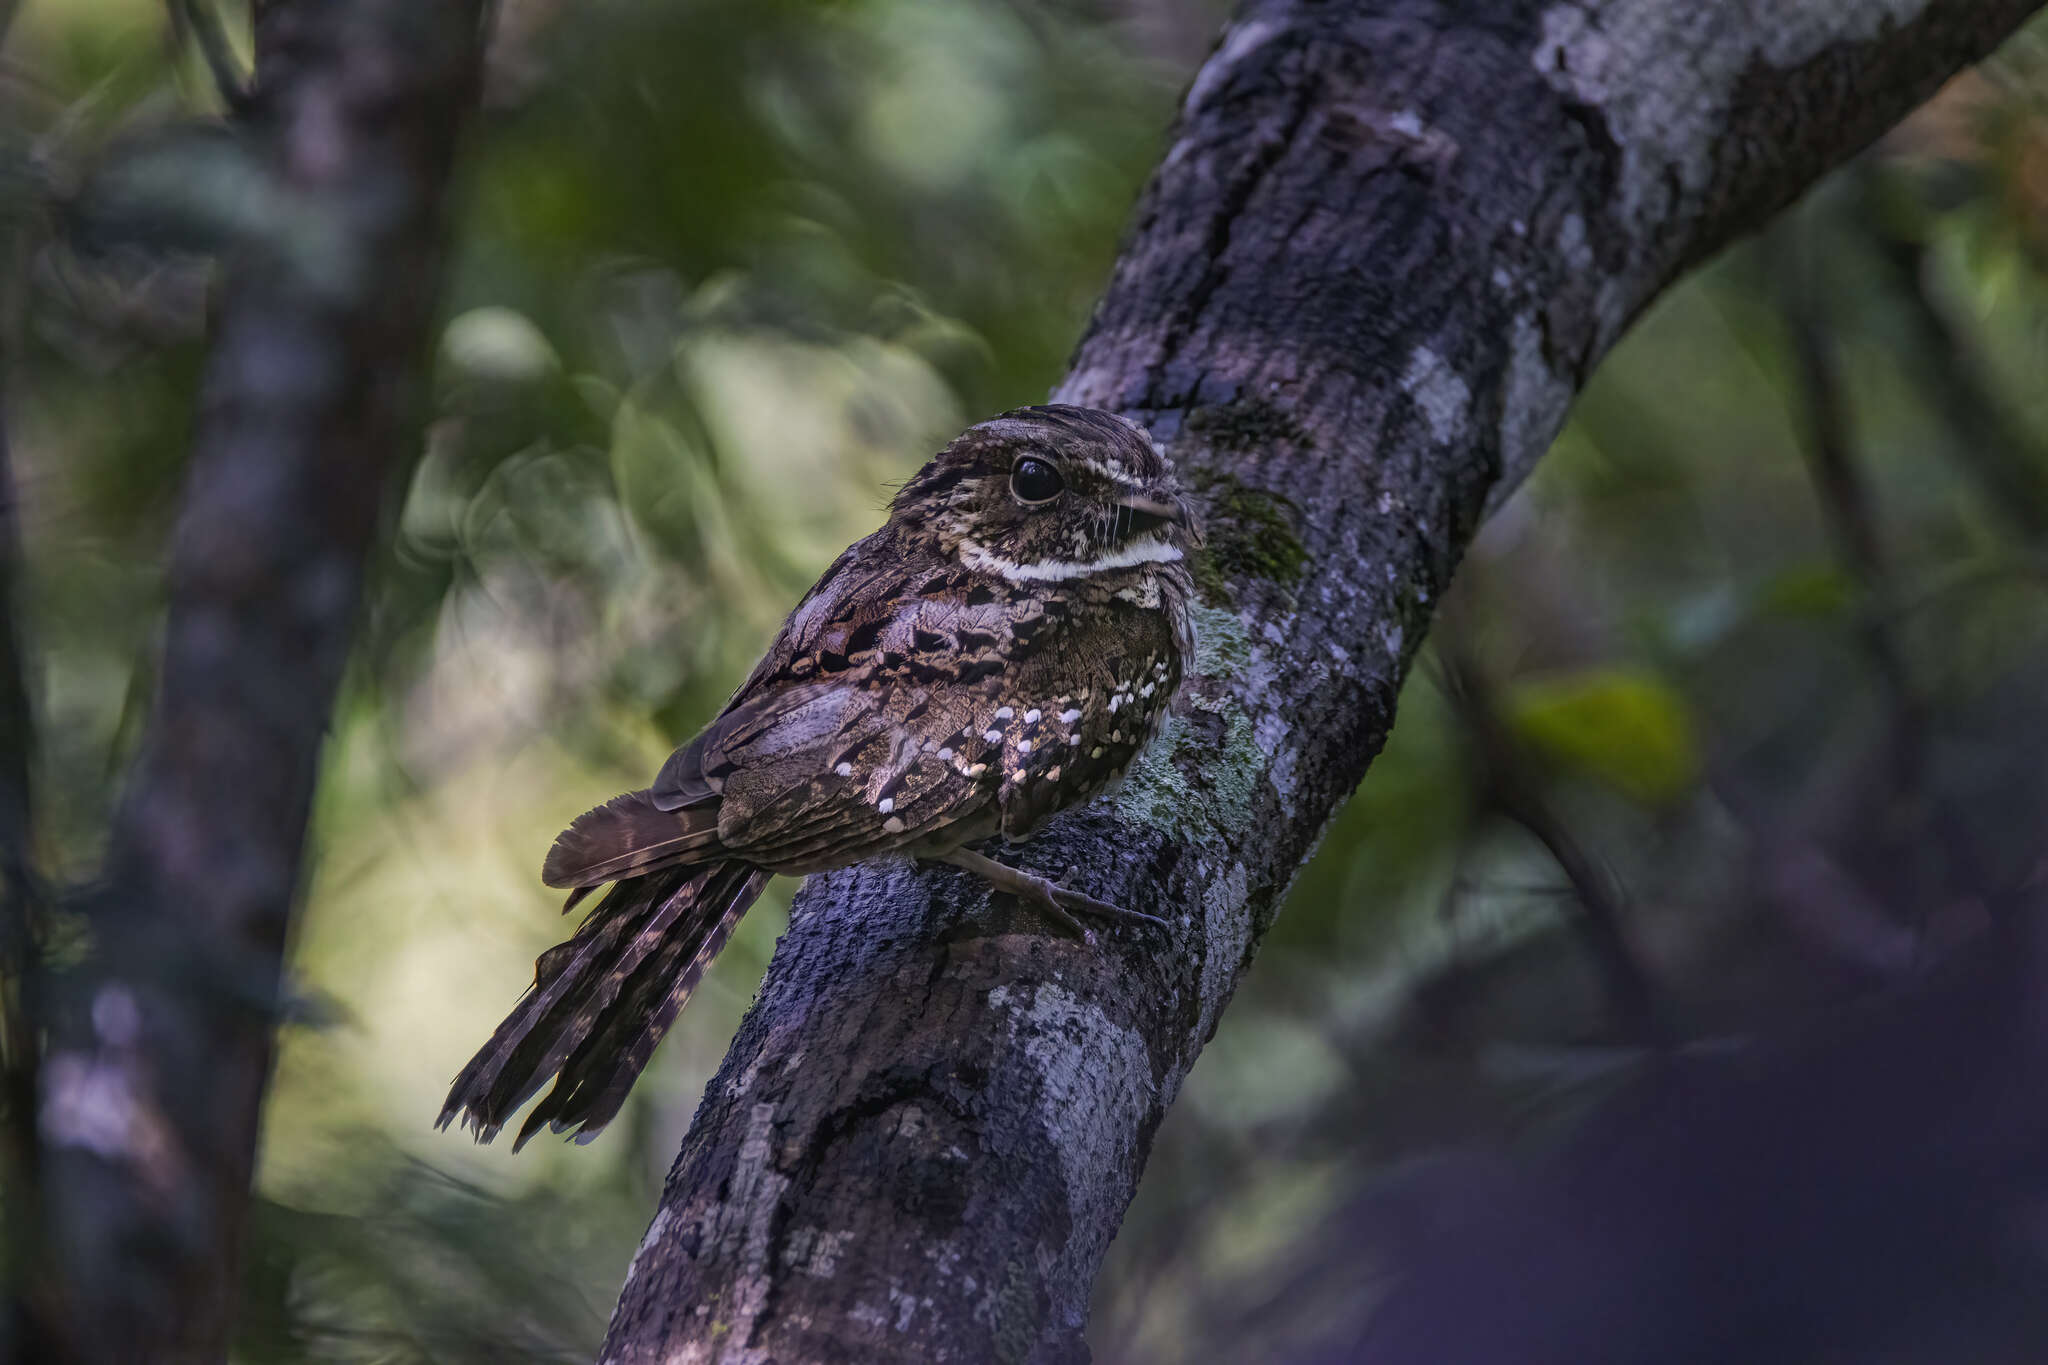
<point>999,650</point>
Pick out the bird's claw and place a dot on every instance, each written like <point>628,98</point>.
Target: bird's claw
<point>1087,905</point>
<point>1059,904</point>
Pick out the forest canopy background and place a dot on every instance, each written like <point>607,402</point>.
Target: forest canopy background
<point>726,271</point>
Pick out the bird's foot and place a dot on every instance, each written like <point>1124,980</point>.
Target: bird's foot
<point>1060,904</point>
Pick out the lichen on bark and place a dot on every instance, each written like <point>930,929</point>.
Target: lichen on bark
<point>1248,533</point>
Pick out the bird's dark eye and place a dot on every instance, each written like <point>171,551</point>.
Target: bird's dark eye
<point>1035,481</point>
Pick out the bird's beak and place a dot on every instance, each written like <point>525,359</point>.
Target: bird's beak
<point>1149,513</point>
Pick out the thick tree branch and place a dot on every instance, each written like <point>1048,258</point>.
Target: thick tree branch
<point>1387,245</point>
<point>155,1074</point>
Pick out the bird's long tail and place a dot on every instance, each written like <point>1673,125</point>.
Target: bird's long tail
<point>602,1001</point>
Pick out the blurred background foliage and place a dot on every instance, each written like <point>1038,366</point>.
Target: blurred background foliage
<point>1755,669</point>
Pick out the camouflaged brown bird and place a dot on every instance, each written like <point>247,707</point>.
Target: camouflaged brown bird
<point>999,650</point>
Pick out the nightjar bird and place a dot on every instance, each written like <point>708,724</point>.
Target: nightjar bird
<point>999,650</point>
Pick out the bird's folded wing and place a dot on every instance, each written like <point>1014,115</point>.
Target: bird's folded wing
<point>842,774</point>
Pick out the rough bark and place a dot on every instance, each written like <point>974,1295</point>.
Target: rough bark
<point>1387,244</point>
<point>155,1073</point>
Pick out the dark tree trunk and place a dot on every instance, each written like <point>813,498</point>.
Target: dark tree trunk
<point>156,1069</point>
<point>1388,243</point>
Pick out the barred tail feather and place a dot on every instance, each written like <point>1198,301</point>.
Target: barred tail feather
<point>593,1084</point>
<point>629,836</point>
<point>601,1002</point>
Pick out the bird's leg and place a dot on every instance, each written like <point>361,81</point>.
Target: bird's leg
<point>1055,900</point>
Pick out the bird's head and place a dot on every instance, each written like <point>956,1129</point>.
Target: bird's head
<point>1050,493</point>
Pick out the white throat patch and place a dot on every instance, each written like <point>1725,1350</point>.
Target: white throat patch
<point>1143,550</point>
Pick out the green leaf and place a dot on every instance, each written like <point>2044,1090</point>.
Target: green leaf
<point>1630,730</point>
<point>1812,590</point>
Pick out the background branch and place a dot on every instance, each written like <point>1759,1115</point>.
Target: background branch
<point>1356,302</point>
<point>1513,787</point>
<point>1994,450</point>
<point>1847,505</point>
<point>161,1043</point>
<point>199,21</point>
<point>21,898</point>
